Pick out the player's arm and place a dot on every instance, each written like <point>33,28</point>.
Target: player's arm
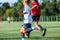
<point>23,13</point>
<point>34,6</point>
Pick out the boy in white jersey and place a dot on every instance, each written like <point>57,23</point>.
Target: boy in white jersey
<point>27,20</point>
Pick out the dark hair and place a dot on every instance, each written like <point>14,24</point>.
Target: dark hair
<point>28,1</point>
<point>36,0</point>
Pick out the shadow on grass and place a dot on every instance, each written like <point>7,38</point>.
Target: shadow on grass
<point>45,38</point>
<point>33,38</point>
<point>9,38</point>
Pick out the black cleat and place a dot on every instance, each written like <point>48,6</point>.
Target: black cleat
<point>26,35</point>
<point>44,32</point>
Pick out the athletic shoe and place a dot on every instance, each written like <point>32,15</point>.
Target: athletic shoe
<point>44,32</point>
<point>26,35</point>
<point>23,39</point>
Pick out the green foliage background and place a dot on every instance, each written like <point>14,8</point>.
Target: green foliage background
<point>47,9</point>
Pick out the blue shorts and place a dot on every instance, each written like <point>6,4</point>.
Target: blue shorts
<point>27,25</point>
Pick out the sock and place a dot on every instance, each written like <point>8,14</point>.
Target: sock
<point>41,28</point>
<point>33,28</point>
<point>22,35</point>
<point>23,39</point>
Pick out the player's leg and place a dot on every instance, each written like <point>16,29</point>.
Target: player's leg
<point>36,19</point>
<point>39,27</point>
<point>36,25</point>
<point>43,29</point>
<point>22,36</point>
<point>28,34</point>
<point>28,29</point>
<point>22,33</point>
<point>22,30</point>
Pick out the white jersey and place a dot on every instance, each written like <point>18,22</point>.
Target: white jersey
<point>28,16</point>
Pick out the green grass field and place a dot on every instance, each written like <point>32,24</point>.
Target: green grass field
<point>10,31</point>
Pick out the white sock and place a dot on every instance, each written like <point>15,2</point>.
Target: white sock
<point>34,28</point>
<point>23,39</point>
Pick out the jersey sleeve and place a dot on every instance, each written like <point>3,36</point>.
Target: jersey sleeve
<point>34,4</point>
<point>25,9</point>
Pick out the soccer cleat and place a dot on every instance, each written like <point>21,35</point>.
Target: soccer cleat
<point>26,35</point>
<point>23,39</point>
<point>44,32</point>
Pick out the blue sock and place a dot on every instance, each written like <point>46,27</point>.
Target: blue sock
<point>22,35</point>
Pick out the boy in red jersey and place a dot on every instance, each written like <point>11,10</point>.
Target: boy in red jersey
<point>36,15</point>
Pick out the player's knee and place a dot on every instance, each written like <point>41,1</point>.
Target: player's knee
<point>22,31</point>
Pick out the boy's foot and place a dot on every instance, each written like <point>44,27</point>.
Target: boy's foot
<point>23,39</point>
<point>26,35</point>
<point>44,32</point>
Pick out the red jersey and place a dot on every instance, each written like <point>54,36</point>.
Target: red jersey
<point>35,10</point>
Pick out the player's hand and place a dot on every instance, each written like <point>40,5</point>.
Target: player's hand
<point>21,14</point>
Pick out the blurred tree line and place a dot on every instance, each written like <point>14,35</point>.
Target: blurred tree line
<point>51,8</point>
<point>14,10</point>
<point>48,8</point>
